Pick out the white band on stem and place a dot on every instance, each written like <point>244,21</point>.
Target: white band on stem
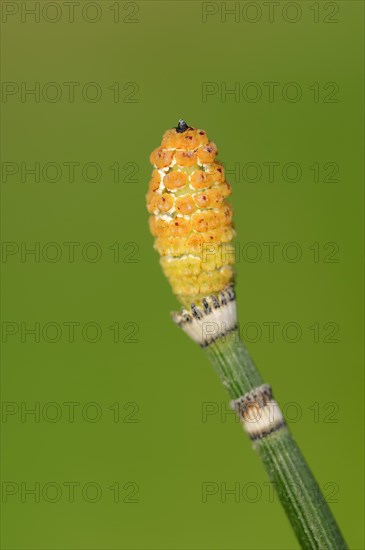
<point>259,412</point>
<point>214,319</point>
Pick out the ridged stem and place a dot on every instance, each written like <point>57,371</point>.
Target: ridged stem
<point>234,365</point>
<point>298,491</point>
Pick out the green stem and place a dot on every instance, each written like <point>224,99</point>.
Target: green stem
<point>298,491</point>
<point>234,365</point>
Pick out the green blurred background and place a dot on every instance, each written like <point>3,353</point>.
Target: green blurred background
<point>150,424</point>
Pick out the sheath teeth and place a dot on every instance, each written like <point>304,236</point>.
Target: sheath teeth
<point>207,308</point>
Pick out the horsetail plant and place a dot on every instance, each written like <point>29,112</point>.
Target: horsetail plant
<point>192,225</point>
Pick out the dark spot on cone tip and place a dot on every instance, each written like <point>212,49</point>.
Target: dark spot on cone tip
<point>182,126</point>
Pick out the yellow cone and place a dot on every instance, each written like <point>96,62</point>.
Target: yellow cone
<point>190,217</point>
